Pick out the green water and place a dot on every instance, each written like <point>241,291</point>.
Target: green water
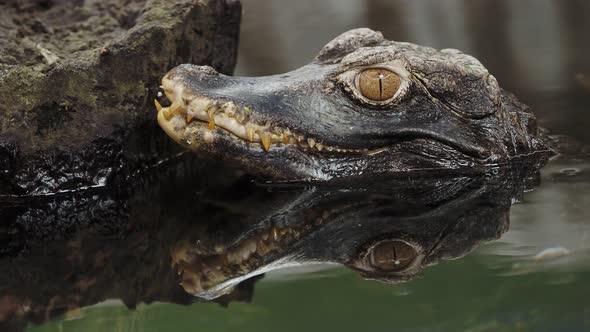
<point>470,294</point>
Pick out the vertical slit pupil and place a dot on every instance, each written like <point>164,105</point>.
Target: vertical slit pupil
<point>395,261</point>
<point>380,85</point>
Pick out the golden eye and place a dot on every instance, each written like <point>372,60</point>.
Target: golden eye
<point>392,255</point>
<point>378,84</point>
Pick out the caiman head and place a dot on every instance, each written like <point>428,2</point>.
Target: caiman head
<point>365,105</point>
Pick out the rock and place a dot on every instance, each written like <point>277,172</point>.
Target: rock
<point>78,79</point>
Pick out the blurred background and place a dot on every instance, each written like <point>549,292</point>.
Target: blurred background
<point>538,49</point>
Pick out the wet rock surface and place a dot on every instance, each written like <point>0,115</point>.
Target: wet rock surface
<point>78,249</point>
<point>77,80</point>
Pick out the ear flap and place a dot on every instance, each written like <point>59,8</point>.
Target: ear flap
<point>347,42</point>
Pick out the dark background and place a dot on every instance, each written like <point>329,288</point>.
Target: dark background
<point>538,49</point>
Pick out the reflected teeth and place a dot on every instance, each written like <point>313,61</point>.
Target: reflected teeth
<point>235,120</point>
<point>199,271</point>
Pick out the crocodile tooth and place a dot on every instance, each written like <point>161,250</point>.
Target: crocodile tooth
<point>319,147</point>
<point>158,106</point>
<point>211,125</point>
<point>311,142</point>
<point>211,112</point>
<point>189,118</point>
<point>199,105</point>
<point>265,139</point>
<point>176,106</point>
<point>250,133</point>
<point>167,113</point>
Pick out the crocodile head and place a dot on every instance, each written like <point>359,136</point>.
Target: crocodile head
<point>364,105</point>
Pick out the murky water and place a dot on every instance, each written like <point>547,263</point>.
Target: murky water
<point>505,252</point>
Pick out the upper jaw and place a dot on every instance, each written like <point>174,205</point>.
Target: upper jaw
<point>191,112</point>
<point>226,127</point>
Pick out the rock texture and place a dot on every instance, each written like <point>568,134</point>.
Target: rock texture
<point>77,80</point>
<point>60,253</point>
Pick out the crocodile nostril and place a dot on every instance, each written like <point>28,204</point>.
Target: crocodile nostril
<point>206,70</point>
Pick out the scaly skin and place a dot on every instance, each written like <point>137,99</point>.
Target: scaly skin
<point>314,123</point>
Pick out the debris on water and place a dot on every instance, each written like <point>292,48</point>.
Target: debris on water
<point>551,253</point>
<point>570,171</point>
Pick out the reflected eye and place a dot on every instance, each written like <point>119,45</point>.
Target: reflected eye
<point>378,84</point>
<point>392,255</point>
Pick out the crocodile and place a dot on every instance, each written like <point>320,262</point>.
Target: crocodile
<point>364,105</point>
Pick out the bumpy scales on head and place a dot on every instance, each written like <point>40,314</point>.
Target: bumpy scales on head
<point>365,105</point>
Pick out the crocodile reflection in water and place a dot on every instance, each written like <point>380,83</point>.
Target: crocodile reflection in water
<point>219,237</point>
<point>385,230</point>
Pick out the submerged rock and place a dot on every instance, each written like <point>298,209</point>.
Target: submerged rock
<point>77,80</point>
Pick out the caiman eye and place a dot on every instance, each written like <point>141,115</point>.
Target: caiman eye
<point>392,255</point>
<point>377,84</point>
